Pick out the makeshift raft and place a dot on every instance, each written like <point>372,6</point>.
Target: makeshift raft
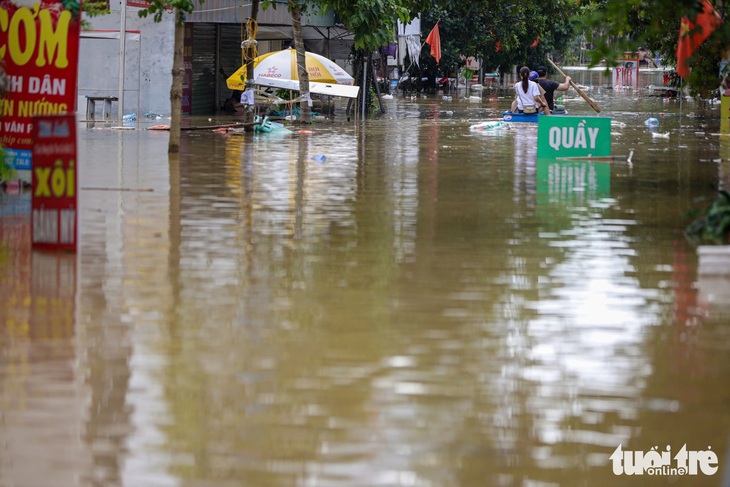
<point>529,118</point>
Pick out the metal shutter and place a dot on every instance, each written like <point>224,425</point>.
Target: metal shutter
<point>203,69</point>
<point>230,57</point>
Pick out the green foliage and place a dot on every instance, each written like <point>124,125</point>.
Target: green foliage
<point>372,100</point>
<point>501,34</point>
<point>92,9</point>
<point>284,94</point>
<point>372,22</point>
<point>619,26</point>
<point>715,225</point>
<point>158,8</point>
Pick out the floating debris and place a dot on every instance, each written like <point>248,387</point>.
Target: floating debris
<point>490,126</point>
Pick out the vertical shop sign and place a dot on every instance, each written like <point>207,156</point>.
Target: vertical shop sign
<point>54,202</point>
<point>39,46</point>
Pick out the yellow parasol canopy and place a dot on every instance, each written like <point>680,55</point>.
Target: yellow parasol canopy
<point>283,65</point>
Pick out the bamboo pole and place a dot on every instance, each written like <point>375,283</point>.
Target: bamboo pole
<point>580,92</point>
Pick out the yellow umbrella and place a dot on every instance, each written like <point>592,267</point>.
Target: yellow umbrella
<point>283,65</point>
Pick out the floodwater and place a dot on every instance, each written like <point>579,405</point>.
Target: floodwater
<point>399,302</point>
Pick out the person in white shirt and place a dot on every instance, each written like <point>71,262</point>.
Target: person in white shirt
<point>529,99</point>
<point>533,77</point>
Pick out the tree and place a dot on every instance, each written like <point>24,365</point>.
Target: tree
<point>249,54</point>
<point>180,7</point>
<point>373,22</point>
<point>93,9</point>
<point>502,35</point>
<point>305,111</point>
<point>618,26</point>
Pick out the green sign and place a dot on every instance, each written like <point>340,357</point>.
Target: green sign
<point>563,136</point>
<point>563,185</point>
<point>570,179</point>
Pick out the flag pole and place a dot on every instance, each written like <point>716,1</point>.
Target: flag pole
<point>679,94</point>
<point>423,44</point>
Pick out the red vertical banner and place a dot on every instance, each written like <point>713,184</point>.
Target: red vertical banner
<point>54,201</point>
<point>39,46</point>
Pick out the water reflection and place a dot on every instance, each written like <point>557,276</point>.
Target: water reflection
<point>397,302</point>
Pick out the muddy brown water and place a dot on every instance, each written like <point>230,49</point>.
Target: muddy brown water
<point>394,302</point>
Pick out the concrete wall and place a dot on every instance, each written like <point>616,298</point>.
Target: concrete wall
<point>148,63</point>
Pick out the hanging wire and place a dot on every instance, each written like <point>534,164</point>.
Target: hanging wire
<point>249,51</point>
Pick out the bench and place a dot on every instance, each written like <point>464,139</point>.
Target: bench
<point>91,106</point>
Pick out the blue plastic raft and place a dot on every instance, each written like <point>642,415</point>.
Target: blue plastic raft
<point>524,117</point>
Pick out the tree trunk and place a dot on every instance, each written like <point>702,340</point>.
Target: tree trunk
<point>305,111</point>
<point>178,72</point>
<point>250,51</point>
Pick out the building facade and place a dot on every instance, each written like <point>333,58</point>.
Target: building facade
<point>213,36</point>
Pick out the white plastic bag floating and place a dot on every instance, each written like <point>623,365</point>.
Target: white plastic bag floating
<point>489,126</point>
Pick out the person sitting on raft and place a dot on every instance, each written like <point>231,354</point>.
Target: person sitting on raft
<point>533,77</point>
<point>529,99</point>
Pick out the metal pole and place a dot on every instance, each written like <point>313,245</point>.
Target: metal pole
<point>217,68</point>
<point>122,54</point>
<point>364,86</point>
<point>139,78</point>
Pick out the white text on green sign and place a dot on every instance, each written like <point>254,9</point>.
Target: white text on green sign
<point>562,136</point>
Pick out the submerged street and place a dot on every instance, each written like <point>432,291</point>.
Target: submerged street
<point>399,301</point>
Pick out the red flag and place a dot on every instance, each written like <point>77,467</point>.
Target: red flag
<point>692,34</point>
<point>498,45</point>
<point>434,40</point>
<point>537,41</point>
